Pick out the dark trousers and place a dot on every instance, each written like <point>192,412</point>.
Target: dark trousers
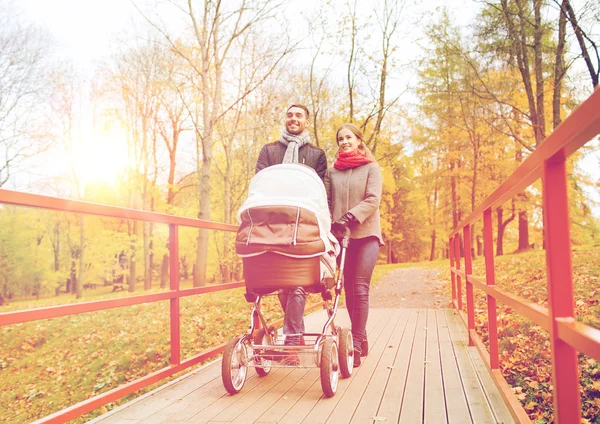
<point>358,269</point>
<point>293,301</point>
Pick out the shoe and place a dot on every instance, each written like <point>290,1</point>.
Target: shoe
<point>364,348</point>
<point>356,361</point>
<point>292,360</point>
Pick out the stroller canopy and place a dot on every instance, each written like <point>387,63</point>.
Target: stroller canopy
<point>289,184</point>
<point>285,199</point>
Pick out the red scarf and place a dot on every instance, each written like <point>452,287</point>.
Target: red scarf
<point>347,160</point>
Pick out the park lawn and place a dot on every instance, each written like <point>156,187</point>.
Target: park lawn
<point>48,365</point>
<point>51,364</point>
<point>525,355</point>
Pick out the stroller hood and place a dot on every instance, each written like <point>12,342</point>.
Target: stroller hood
<point>286,212</point>
<point>289,185</point>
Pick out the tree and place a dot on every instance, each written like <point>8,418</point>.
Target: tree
<point>24,91</point>
<point>588,47</point>
<point>218,28</point>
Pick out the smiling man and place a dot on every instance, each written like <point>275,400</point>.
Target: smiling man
<point>294,144</point>
<point>293,147</point>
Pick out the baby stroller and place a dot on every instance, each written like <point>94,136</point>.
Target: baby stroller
<point>284,240</point>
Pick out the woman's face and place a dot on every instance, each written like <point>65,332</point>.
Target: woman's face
<point>347,140</point>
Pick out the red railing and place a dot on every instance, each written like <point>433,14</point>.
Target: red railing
<point>173,295</point>
<point>567,336</point>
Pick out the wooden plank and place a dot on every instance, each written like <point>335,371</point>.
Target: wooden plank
<point>307,400</point>
<point>500,411</point>
<point>190,404</point>
<point>345,409</point>
<point>371,399</point>
<point>168,395</point>
<point>411,410</point>
<point>275,396</point>
<point>478,404</point>
<point>276,413</point>
<point>392,398</point>
<point>324,406</point>
<point>229,407</point>
<point>216,395</point>
<point>435,402</point>
<point>456,401</point>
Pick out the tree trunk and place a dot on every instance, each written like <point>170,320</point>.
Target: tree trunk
<point>523,231</point>
<point>202,239</point>
<point>79,286</point>
<point>164,272</point>
<point>559,65</point>
<point>132,276</point>
<point>594,73</point>
<point>226,260</point>
<point>432,251</point>
<point>500,238</point>
<point>351,64</point>
<point>454,196</point>
<point>147,269</point>
<point>501,227</point>
<point>56,246</point>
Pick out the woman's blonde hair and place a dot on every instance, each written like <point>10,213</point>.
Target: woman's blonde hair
<point>358,133</point>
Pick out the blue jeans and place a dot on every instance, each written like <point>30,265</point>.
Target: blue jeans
<point>293,301</point>
<point>358,269</point>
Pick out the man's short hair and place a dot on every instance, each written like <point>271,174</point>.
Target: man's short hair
<point>304,108</point>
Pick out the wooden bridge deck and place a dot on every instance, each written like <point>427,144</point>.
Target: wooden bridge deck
<point>419,370</point>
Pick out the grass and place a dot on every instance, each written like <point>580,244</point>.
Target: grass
<point>48,365</point>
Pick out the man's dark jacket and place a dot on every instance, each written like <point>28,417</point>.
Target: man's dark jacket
<point>309,154</point>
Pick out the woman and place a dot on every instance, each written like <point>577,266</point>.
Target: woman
<point>353,187</point>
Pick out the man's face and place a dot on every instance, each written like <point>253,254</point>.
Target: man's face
<point>296,121</point>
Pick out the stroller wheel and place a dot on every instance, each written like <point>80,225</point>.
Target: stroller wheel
<point>329,367</point>
<point>346,354</point>
<point>262,337</point>
<point>234,367</point>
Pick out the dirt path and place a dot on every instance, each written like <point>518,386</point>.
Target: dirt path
<point>410,288</point>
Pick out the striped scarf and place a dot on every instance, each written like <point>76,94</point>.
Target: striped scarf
<point>293,144</point>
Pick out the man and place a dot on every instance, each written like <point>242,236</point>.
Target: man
<point>293,147</point>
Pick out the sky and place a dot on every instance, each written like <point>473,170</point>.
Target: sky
<point>86,30</point>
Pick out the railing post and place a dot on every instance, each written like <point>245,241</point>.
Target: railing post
<point>490,279</point>
<point>452,275</point>
<point>457,262</point>
<point>468,284</point>
<point>559,271</point>
<point>174,285</point>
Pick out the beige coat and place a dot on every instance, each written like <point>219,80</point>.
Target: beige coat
<point>358,191</point>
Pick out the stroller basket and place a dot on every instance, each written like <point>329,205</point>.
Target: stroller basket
<point>271,271</point>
